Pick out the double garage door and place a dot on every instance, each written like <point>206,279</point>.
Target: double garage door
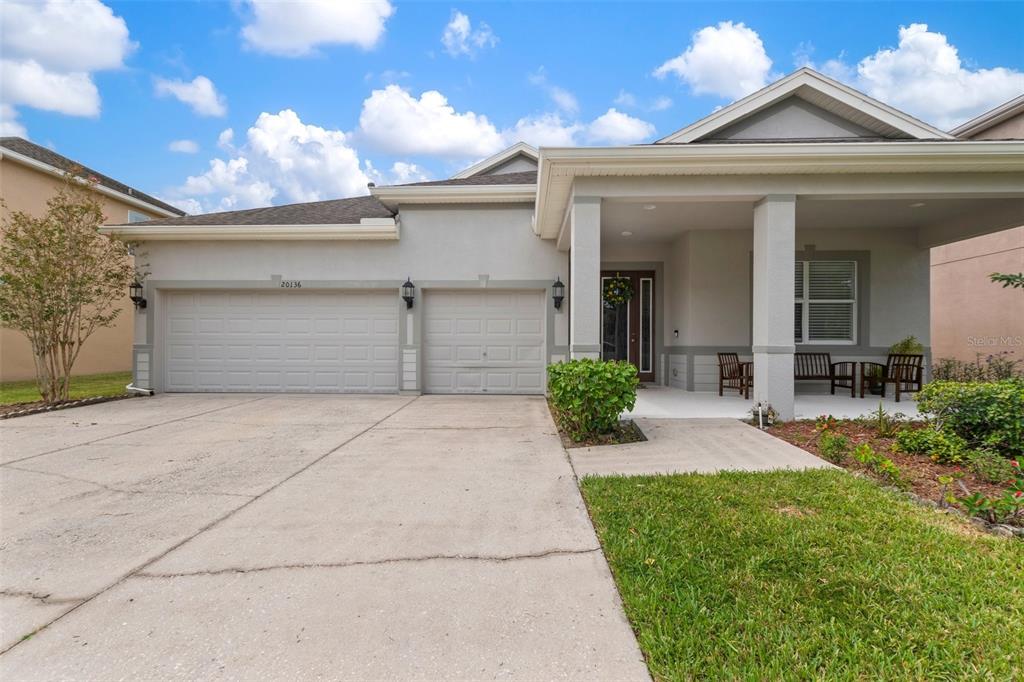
<point>348,342</point>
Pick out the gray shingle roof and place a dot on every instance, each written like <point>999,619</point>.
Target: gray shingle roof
<point>332,212</point>
<point>52,158</point>
<point>520,178</point>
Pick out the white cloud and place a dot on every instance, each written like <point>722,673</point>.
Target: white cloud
<point>292,29</point>
<point>9,123</point>
<point>52,48</point>
<point>628,100</point>
<point>199,93</point>
<point>924,76</point>
<point>183,146</point>
<point>460,38</point>
<point>563,99</point>
<point>401,173</point>
<point>283,160</point>
<point>615,127</point>
<point>28,83</point>
<point>226,139</point>
<point>546,130</point>
<point>395,121</point>
<point>728,60</point>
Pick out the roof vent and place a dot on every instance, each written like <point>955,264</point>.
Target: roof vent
<point>371,185</point>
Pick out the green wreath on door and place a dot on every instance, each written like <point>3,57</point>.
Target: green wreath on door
<point>617,290</point>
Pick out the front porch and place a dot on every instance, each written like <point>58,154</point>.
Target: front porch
<point>665,402</point>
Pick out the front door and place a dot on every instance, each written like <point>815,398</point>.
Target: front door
<point>627,327</point>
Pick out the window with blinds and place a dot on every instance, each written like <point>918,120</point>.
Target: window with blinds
<point>825,293</point>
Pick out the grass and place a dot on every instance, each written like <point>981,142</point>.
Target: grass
<point>86,386</point>
<point>807,575</point>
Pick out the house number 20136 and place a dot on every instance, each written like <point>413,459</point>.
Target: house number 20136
<point>291,284</point>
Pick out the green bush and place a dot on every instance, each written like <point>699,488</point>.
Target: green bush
<point>589,395</point>
<point>833,446</point>
<point>987,415</point>
<point>991,467</point>
<point>881,466</point>
<point>942,447</point>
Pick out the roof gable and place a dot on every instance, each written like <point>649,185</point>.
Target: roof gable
<point>517,158</point>
<point>809,98</point>
<point>996,123</point>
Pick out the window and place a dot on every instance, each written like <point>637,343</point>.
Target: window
<point>137,217</point>
<point>825,293</point>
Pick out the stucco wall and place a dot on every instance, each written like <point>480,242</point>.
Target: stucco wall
<point>108,349</point>
<point>438,248</point>
<point>971,314</point>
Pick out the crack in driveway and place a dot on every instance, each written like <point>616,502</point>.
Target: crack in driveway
<point>125,491</point>
<point>212,524</point>
<point>125,433</point>
<point>496,558</point>
<point>39,597</point>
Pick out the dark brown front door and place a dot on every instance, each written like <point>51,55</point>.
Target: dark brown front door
<point>627,329</point>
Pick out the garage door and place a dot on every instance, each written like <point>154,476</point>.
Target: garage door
<point>332,342</point>
<point>484,341</point>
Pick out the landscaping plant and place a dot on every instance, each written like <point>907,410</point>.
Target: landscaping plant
<point>833,446</point>
<point>992,467</point>
<point>589,395</point>
<point>882,466</point>
<point>941,447</point>
<point>987,415</point>
<point>994,367</point>
<point>60,281</point>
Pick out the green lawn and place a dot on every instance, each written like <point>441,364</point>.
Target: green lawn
<point>807,575</point>
<point>87,386</point>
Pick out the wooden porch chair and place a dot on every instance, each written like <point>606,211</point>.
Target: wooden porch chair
<point>735,374</point>
<point>904,371</point>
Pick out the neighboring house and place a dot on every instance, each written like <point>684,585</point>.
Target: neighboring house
<point>799,217</point>
<point>970,314</point>
<point>29,176</point>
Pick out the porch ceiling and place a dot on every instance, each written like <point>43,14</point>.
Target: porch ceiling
<point>663,220</point>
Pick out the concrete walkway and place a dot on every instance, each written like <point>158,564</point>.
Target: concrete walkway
<point>300,537</point>
<point>693,445</point>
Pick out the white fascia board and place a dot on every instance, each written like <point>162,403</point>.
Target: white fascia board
<point>990,118</point>
<point>783,87</point>
<point>455,194</point>
<point>567,163</point>
<point>106,191</point>
<point>380,229</point>
<point>498,159</point>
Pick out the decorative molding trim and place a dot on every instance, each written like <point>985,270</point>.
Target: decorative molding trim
<point>379,229</point>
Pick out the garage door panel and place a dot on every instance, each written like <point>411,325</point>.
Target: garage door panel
<point>484,341</point>
<point>281,341</point>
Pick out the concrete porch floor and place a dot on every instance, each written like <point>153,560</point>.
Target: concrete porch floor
<point>661,402</point>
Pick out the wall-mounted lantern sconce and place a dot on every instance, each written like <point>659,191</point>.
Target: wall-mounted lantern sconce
<point>135,294</point>
<point>408,292</point>
<point>558,293</point>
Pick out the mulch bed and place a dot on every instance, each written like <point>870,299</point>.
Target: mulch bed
<point>920,472</point>
<point>626,432</point>
<point>38,407</point>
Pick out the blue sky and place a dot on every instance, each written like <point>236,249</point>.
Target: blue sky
<point>321,97</point>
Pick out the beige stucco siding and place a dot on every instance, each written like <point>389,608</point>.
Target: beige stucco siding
<point>107,350</point>
<point>971,314</point>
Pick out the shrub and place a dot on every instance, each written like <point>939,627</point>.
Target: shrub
<point>884,423</point>
<point>907,346</point>
<point>589,395</point>
<point>988,415</point>
<point>991,467</point>
<point>882,466</point>
<point>942,447</point>
<point>993,367</point>
<point>833,446</point>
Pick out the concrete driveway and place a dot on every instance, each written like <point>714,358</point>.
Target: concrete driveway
<point>242,536</point>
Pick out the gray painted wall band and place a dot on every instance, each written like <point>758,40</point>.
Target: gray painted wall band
<point>774,350</point>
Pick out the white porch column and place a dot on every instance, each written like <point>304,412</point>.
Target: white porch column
<point>774,262</point>
<point>585,278</point>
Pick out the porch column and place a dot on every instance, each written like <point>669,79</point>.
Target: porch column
<point>774,262</point>
<point>585,278</point>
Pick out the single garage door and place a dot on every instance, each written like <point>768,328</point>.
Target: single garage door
<point>484,341</point>
<point>287,341</point>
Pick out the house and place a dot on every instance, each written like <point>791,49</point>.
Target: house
<point>799,217</point>
<point>29,176</point>
<point>970,314</point>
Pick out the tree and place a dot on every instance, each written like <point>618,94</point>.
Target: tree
<point>61,280</point>
<point>1014,281</point>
